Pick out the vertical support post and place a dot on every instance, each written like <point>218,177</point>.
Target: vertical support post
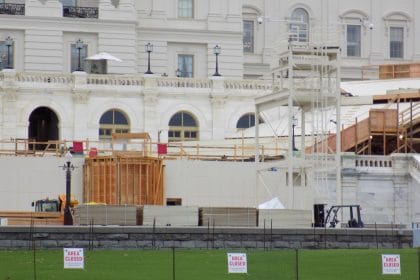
<point>338,133</point>
<point>297,263</point>
<point>173,263</point>
<point>290,132</point>
<point>257,135</point>
<point>68,167</point>
<point>68,219</point>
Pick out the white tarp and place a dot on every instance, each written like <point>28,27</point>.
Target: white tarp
<point>103,56</point>
<point>274,203</point>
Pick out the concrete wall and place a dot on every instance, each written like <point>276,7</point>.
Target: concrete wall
<point>27,179</point>
<point>386,195</point>
<point>230,184</point>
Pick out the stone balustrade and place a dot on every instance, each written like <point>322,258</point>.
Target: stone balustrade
<point>94,81</point>
<point>247,84</point>
<point>116,80</point>
<point>183,83</point>
<point>35,77</point>
<point>373,162</point>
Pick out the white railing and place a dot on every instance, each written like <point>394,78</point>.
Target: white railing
<point>183,82</point>
<point>373,162</point>
<point>118,80</point>
<point>34,77</point>
<point>415,163</point>
<point>81,80</point>
<point>247,85</point>
<point>407,114</point>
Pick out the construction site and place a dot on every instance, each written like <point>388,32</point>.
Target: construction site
<point>319,156</point>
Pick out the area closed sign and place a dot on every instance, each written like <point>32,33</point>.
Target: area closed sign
<point>73,258</point>
<point>391,264</point>
<point>237,263</point>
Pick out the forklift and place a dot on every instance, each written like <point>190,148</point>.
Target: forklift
<point>330,217</point>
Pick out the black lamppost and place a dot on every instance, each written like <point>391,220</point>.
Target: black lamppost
<point>8,42</point>
<point>79,47</point>
<point>217,50</point>
<point>294,124</point>
<point>68,167</point>
<point>148,48</point>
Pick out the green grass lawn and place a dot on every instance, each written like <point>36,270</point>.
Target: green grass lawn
<point>207,265</point>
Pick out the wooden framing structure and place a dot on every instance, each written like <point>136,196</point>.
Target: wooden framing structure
<point>123,179</point>
<point>397,71</point>
<point>381,124</point>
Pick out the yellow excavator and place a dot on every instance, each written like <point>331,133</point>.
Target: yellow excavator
<point>54,205</point>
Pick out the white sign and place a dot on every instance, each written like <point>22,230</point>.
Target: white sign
<point>73,258</point>
<point>237,263</point>
<point>391,264</point>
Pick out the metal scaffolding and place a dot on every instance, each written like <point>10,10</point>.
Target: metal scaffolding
<point>306,83</point>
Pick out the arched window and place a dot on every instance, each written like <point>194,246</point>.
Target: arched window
<point>113,121</point>
<point>43,126</point>
<point>183,127</point>
<point>247,121</point>
<point>299,25</point>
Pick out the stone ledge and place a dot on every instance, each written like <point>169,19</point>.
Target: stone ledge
<point>114,237</point>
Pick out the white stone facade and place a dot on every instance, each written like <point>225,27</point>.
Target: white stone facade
<point>43,36</point>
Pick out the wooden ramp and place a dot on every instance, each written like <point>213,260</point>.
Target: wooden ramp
<point>381,124</point>
<point>123,179</point>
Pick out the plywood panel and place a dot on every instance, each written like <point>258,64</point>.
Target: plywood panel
<point>383,120</point>
<point>122,179</point>
<point>228,216</point>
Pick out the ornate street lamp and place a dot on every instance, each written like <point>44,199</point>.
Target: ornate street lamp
<point>148,48</point>
<point>217,50</point>
<point>68,167</point>
<point>8,42</point>
<point>79,47</point>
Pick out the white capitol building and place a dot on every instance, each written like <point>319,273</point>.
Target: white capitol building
<point>43,52</point>
<point>186,70</point>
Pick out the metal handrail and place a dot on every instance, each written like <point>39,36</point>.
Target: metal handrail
<point>80,12</point>
<point>12,9</point>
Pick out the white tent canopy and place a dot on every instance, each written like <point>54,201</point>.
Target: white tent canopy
<point>103,56</point>
<point>274,203</point>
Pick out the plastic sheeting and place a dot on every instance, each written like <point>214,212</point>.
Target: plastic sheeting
<point>274,203</point>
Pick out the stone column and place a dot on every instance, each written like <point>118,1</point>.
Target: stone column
<point>218,99</point>
<point>9,107</point>
<point>150,107</point>
<point>349,179</point>
<point>52,8</point>
<point>159,8</point>
<point>415,30</point>
<point>80,126</point>
<point>376,36</point>
<point>402,209</point>
<point>218,115</point>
